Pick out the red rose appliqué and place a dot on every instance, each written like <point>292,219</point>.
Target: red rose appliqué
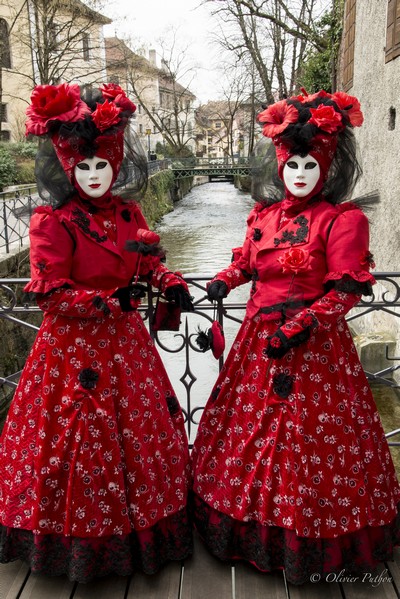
<point>295,260</point>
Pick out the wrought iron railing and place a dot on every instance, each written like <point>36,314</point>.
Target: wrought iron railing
<point>193,372</point>
<point>16,210</point>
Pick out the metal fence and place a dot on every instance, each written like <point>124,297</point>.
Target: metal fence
<point>193,372</point>
<point>16,210</point>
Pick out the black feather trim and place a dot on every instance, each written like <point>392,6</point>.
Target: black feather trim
<point>146,249</point>
<point>203,339</point>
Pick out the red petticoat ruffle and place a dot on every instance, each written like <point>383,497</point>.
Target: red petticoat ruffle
<point>270,548</point>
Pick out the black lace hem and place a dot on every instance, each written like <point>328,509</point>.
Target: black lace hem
<point>83,559</point>
<point>274,548</point>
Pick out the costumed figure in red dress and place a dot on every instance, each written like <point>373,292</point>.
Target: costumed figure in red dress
<point>291,466</point>
<point>94,462</point>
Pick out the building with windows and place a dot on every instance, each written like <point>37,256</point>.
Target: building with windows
<point>165,113</point>
<point>140,78</point>
<point>45,42</point>
<point>224,129</point>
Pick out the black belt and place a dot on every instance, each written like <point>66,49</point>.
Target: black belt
<point>283,307</point>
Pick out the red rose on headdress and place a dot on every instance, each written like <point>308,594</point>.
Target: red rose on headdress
<point>277,117</point>
<point>351,106</point>
<point>326,118</point>
<point>54,102</point>
<point>106,115</point>
<point>321,94</point>
<point>125,103</point>
<point>112,91</point>
<point>146,236</point>
<point>295,260</point>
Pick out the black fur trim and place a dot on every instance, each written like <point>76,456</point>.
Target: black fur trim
<point>349,285</point>
<point>100,304</point>
<point>146,249</point>
<point>173,405</point>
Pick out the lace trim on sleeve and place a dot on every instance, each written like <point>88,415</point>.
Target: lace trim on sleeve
<point>350,281</point>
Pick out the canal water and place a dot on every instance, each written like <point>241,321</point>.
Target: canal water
<point>199,236</point>
<point>204,227</point>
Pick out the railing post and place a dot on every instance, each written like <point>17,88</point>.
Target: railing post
<point>6,228</point>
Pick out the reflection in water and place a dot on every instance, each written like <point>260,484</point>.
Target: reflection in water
<point>199,236</point>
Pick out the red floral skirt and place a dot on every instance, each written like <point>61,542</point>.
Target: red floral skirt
<point>94,458</point>
<point>291,459</point>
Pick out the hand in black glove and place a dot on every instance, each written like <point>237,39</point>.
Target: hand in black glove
<point>279,345</point>
<point>179,295</point>
<point>126,294</point>
<point>217,290</point>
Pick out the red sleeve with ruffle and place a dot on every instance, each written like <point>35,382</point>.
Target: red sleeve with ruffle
<point>51,250</point>
<point>347,251</point>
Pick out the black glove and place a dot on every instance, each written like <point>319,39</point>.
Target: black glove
<point>217,290</point>
<point>180,297</point>
<point>125,294</point>
<point>279,344</point>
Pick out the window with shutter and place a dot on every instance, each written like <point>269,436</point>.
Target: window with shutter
<point>85,46</point>
<point>348,43</point>
<point>3,113</point>
<point>392,49</point>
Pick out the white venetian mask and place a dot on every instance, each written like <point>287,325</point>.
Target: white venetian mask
<point>301,174</point>
<point>94,176</point>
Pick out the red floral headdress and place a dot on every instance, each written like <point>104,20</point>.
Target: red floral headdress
<point>310,124</point>
<point>76,129</point>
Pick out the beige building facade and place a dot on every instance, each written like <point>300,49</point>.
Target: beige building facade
<point>45,42</point>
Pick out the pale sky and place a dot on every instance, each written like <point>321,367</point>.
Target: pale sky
<point>147,21</point>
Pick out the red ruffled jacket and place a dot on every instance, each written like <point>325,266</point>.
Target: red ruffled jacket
<point>334,243</point>
<point>72,257</point>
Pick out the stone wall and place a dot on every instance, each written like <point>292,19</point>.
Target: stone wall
<point>377,85</point>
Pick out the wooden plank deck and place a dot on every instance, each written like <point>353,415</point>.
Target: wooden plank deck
<point>201,577</point>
